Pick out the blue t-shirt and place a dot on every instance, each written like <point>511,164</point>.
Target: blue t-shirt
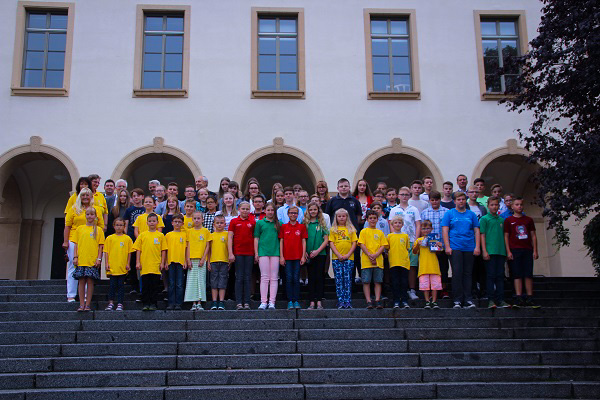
<point>461,224</point>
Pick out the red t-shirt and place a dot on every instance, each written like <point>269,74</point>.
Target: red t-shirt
<point>259,216</point>
<point>292,236</point>
<point>243,235</point>
<point>519,232</point>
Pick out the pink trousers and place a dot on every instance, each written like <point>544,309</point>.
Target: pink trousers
<point>269,271</point>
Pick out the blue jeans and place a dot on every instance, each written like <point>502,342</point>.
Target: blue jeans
<point>495,277</point>
<point>175,284</point>
<point>292,276</point>
<point>117,285</point>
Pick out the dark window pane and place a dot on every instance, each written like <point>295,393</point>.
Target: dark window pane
<point>34,60</point>
<point>266,82</point>
<point>36,41</point>
<point>57,42</point>
<point>174,44</point>
<point>173,62</point>
<point>266,46</point>
<point>288,64</point>
<point>154,23</point>
<point>267,63</point>
<point>266,25</point>
<point>175,24</point>
<point>58,21</point>
<point>37,21</point>
<point>381,65</point>
<point>379,47</point>
<point>152,62</point>
<point>509,81</point>
<point>381,83</point>
<point>400,47</point>
<point>33,78</point>
<point>288,82</point>
<point>153,44</point>
<point>509,48</point>
<point>492,83</point>
<point>508,28</point>
<point>287,25</point>
<point>172,80</point>
<point>400,65</point>
<point>379,27</point>
<point>488,28</point>
<point>54,79</point>
<point>490,48</point>
<point>56,60</point>
<point>151,80</point>
<point>399,27</point>
<point>402,83</point>
<point>287,46</point>
<point>490,65</point>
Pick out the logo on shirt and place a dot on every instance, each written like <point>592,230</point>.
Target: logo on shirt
<point>180,240</point>
<point>297,233</point>
<point>222,239</point>
<point>156,241</point>
<point>201,237</point>
<point>376,236</point>
<point>249,225</point>
<point>121,244</point>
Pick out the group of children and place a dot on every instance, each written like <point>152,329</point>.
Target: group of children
<point>399,242</point>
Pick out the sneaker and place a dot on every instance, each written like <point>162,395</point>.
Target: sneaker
<point>504,304</point>
<point>531,304</point>
<point>290,305</point>
<point>146,308</point>
<point>405,305</point>
<point>297,305</point>
<point>133,291</point>
<point>396,305</point>
<point>378,305</point>
<point>470,304</point>
<point>221,305</point>
<point>178,307</point>
<point>152,307</point>
<point>193,308</point>
<point>109,307</point>
<point>319,307</point>
<point>215,305</point>
<point>271,306</point>
<point>357,280</point>
<point>246,306</point>
<point>349,305</point>
<point>445,295</point>
<point>263,306</point>
<point>119,307</point>
<point>310,307</point>
<point>71,300</point>
<point>239,307</point>
<point>170,307</point>
<point>306,282</point>
<point>457,304</point>
<point>199,307</point>
<point>369,305</point>
<point>413,295</point>
<point>434,305</point>
<point>427,305</point>
<point>491,304</point>
<point>520,303</point>
<point>341,306</point>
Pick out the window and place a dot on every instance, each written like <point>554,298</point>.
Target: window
<point>43,46</point>
<point>391,51</point>
<point>162,51</point>
<point>277,53</point>
<point>500,36</point>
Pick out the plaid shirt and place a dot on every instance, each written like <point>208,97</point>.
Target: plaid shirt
<point>209,220</point>
<point>435,216</point>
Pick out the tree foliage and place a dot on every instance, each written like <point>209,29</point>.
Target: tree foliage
<point>560,86</point>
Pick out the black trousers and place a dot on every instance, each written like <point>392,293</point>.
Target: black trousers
<point>150,287</point>
<point>316,277</point>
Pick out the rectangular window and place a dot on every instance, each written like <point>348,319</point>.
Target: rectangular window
<point>277,53</point>
<point>43,46</point>
<point>392,63</point>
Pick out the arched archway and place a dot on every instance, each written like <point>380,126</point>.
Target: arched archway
<point>397,165</point>
<point>35,181</point>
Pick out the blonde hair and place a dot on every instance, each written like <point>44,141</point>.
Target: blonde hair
<point>78,206</point>
<point>234,211</point>
<point>201,219</point>
<point>349,225</point>
<point>95,223</point>
<point>320,218</point>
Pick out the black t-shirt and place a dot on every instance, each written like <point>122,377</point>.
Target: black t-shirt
<point>350,204</point>
<point>131,215</point>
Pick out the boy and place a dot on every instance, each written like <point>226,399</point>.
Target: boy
<point>448,191</point>
<point>172,190</point>
<point>473,203</point>
<point>302,200</point>
<point>176,262</point>
<point>435,213</point>
<point>188,218</point>
<point>344,200</point>
<point>508,201</point>
<point>416,188</point>
<point>479,275</point>
<point>427,187</point>
<point>151,249</point>
<point>379,196</point>
<point>218,264</point>
<point>258,202</point>
<point>497,192</point>
<point>382,223</point>
<point>372,241</point>
<point>491,228</point>
<point>399,246</point>
<point>131,214</point>
<point>209,215</point>
<point>282,212</point>
<point>391,197</point>
<point>381,186</point>
<point>480,185</point>
<point>190,195</point>
<point>521,249</point>
<point>430,279</point>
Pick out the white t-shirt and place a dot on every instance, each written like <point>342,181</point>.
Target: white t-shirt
<point>411,215</point>
<point>421,205</point>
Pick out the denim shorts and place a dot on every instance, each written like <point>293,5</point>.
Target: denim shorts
<point>369,275</point>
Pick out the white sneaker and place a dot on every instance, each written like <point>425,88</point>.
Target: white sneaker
<point>263,306</point>
<point>357,280</point>
<point>470,304</point>
<point>457,304</point>
<point>271,306</point>
<point>413,295</point>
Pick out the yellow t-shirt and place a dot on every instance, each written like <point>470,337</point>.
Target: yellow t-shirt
<point>87,245</point>
<point>428,262</point>
<point>373,239</point>
<point>197,241</point>
<point>176,244</point>
<point>188,223</point>
<point>117,248</point>
<point>75,220</point>
<point>151,245</point>
<point>218,247</point>
<point>342,241</point>
<point>99,200</point>
<point>142,224</point>
<point>399,248</point>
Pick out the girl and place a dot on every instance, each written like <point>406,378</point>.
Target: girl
<point>196,254</point>
<point>323,194</point>
<point>202,196</point>
<point>316,254</point>
<point>223,187</point>
<point>276,186</point>
<point>252,190</point>
<point>229,209</point>
<point>279,198</point>
<point>240,244</point>
<point>342,238</point>
<point>171,209</point>
<point>234,189</point>
<point>266,254</point>
<point>362,192</point>
<point>118,211</point>
<point>89,241</point>
<point>292,250</point>
<point>118,248</point>
<point>211,211</point>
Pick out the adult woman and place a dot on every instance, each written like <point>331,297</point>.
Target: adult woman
<point>82,182</point>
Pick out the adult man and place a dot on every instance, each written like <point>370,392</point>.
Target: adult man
<point>121,184</point>
<point>152,186</point>
<point>462,182</point>
<point>109,193</point>
<point>202,182</point>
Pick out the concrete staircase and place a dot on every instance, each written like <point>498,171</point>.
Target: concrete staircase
<point>49,351</point>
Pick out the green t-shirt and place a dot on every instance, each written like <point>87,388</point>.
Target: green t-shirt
<point>315,237</point>
<point>483,201</point>
<point>268,239</point>
<point>492,226</point>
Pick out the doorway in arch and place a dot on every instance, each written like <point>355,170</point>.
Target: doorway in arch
<point>396,170</point>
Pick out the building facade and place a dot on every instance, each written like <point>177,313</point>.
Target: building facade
<point>297,92</point>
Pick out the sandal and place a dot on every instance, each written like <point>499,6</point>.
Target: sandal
<point>246,306</point>
<point>239,307</point>
<point>109,307</point>
<point>81,309</point>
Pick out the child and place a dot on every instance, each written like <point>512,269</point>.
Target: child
<point>131,214</point>
<point>398,254</point>
<point>266,253</point>
<point>229,210</point>
<point>240,246</point>
<point>202,196</point>
<point>188,220</point>
<point>480,185</point>
<point>211,211</point>
<point>259,204</point>
<point>316,244</point>
<point>140,225</point>
<point>279,198</point>
<point>447,199</point>
<point>521,249</point>
<point>427,188</point>
<point>382,223</point>
<point>151,254</point>
<point>391,198</point>
<point>491,228</point>
<point>218,265</point>
<point>378,196</point>
<point>497,192</point>
<point>302,202</point>
<point>282,212</point>
<point>342,239</point>
<point>171,210</point>
<point>292,254</point>
<point>430,277</point>
<point>196,255</point>
<point>372,241</point>
<point>176,261</point>
<point>118,248</point>
<point>416,188</point>
<point>190,195</point>
<point>435,213</point>
<point>89,241</point>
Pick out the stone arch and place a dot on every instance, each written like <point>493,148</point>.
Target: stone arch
<point>511,148</point>
<point>422,162</point>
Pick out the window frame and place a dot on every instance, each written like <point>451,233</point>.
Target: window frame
<point>283,12</point>
<point>519,16</point>
<point>141,10</point>
<point>23,7</point>
<point>411,16</point>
